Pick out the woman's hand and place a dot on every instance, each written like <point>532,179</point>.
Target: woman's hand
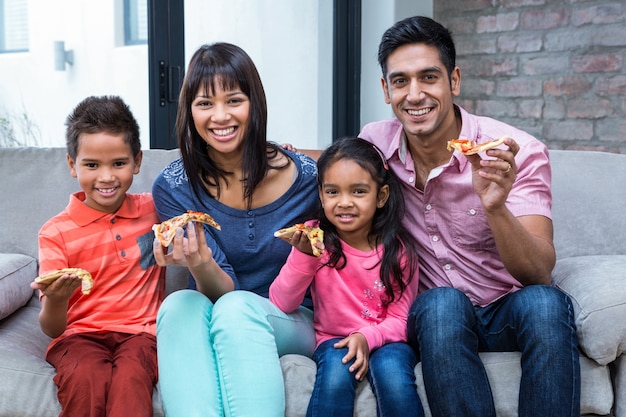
<point>190,251</point>
<point>357,349</point>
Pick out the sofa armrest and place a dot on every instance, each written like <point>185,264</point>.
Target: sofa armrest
<point>16,273</point>
<point>597,288</point>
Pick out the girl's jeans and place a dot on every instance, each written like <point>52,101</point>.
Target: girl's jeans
<point>538,321</point>
<point>222,359</point>
<point>391,375</point>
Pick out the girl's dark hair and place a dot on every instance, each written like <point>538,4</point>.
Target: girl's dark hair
<point>232,68</point>
<point>101,114</point>
<point>418,29</point>
<point>387,228</point>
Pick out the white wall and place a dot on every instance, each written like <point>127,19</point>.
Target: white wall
<point>289,40</point>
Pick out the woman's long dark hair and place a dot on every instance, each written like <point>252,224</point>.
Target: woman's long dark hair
<point>233,68</point>
<point>387,228</point>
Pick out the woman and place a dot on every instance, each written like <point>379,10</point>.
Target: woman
<point>218,349</point>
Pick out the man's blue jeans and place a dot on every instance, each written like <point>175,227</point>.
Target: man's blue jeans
<point>448,332</point>
<point>391,376</point>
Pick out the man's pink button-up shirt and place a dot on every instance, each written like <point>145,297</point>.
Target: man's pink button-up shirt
<point>457,248</point>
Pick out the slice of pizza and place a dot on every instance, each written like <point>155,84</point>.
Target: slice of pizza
<point>166,230</point>
<point>85,276</point>
<point>315,235</point>
<point>470,147</point>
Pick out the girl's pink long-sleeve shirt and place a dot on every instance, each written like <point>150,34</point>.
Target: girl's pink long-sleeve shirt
<point>347,300</point>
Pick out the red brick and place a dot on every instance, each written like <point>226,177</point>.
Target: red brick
<point>520,43</point>
<point>611,130</point>
<point>496,108</point>
<point>544,19</point>
<point>522,3</point>
<point>605,13</point>
<point>589,108</point>
<point>546,64</point>
<point>553,109</point>
<point>530,108</point>
<point>568,85</point>
<point>474,88</point>
<point>570,130</point>
<point>611,85</point>
<point>519,87</point>
<point>597,63</point>
<point>502,22</point>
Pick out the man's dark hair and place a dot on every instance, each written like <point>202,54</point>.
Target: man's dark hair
<point>101,114</point>
<point>417,29</point>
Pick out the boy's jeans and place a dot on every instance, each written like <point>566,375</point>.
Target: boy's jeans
<point>448,332</point>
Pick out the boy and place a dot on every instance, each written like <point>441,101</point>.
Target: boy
<point>104,346</point>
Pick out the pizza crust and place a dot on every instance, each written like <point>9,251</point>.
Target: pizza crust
<point>85,276</point>
<point>315,235</point>
<point>470,147</point>
<point>166,230</point>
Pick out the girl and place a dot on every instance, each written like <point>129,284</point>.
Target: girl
<point>362,285</point>
<point>213,340</point>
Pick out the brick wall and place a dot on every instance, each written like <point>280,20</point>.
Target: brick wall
<point>556,69</point>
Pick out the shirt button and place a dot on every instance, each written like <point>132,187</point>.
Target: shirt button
<point>250,213</point>
<point>447,267</point>
<point>472,212</point>
<point>435,238</point>
<point>429,207</point>
<point>123,253</point>
<point>411,179</point>
<point>113,220</point>
<point>251,236</point>
<point>250,224</point>
<point>118,237</point>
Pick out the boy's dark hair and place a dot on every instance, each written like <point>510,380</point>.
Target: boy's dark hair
<point>231,67</point>
<point>387,228</point>
<point>101,114</point>
<point>417,29</point>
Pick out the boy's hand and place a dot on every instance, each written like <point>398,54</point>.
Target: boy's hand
<point>61,289</point>
<point>357,349</point>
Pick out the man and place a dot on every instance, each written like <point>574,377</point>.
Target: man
<point>484,227</point>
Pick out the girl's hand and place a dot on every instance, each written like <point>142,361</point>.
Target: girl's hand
<point>190,251</point>
<point>357,349</point>
<point>300,241</point>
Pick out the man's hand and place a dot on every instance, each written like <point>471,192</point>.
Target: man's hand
<point>493,178</point>
<point>357,349</point>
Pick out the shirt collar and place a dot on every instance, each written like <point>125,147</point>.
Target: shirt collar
<point>84,215</point>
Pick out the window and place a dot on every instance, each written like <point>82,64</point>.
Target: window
<point>135,22</point>
<point>13,26</point>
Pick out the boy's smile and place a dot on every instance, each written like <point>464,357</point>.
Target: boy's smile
<point>104,168</point>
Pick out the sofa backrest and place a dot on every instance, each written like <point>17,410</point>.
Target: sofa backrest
<point>36,185</point>
<point>589,203</point>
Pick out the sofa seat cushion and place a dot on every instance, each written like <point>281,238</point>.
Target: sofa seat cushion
<point>600,314</point>
<point>16,273</point>
<point>503,370</point>
<point>26,384</point>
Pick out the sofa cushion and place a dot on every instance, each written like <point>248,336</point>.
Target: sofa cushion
<point>16,273</point>
<point>503,370</point>
<point>600,314</point>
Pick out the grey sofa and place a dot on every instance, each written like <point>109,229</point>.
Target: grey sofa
<point>590,236</point>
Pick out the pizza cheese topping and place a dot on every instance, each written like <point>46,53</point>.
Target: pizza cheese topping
<point>470,147</point>
<point>315,235</point>
<point>166,230</point>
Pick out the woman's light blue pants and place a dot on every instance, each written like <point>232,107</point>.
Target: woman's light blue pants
<point>222,359</point>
